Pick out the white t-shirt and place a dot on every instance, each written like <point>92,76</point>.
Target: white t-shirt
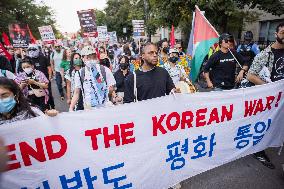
<point>9,74</point>
<point>88,88</point>
<point>175,72</point>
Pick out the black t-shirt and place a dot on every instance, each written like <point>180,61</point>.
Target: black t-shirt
<point>41,63</point>
<point>222,68</point>
<point>278,65</point>
<point>151,84</point>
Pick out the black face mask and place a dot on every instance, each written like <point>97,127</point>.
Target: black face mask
<point>123,66</point>
<point>166,50</point>
<point>173,59</point>
<point>280,40</point>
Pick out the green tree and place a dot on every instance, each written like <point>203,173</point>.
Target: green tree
<point>27,12</point>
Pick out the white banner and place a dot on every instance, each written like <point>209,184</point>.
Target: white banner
<point>46,33</point>
<point>146,145</point>
<point>102,33</point>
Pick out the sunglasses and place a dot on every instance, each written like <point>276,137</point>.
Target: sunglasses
<point>179,47</point>
<point>231,41</point>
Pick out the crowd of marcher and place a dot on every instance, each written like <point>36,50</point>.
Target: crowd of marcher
<point>94,75</point>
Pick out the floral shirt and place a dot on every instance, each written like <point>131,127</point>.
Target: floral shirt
<point>38,76</point>
<point>264,58</point>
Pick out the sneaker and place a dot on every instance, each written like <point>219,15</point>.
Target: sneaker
<point>264,160</point>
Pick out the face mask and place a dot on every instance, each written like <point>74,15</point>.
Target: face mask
<point>280,40</point>
<point>78,62</point>
<point>7,104</point>
<point>90,63</point>
<point>123,66</point>
<point>28,70</point>
<point>173,59</point>
<point>166,50</point>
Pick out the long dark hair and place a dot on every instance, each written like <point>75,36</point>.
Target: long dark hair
<point>72,62</point>
<point>22,103</point>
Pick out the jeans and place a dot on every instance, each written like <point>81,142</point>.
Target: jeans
<point>58,79</point>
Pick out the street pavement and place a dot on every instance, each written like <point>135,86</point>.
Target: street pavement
<point>244,173</point>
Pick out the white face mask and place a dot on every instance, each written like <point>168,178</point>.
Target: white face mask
<point>28,70</point>
<point>90,63</point>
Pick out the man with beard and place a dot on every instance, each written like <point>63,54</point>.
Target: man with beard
<point>273,58</point>
<point>42,64</point>
<point>151,81</point>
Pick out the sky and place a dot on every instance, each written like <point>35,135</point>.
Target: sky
<point>66,12</point>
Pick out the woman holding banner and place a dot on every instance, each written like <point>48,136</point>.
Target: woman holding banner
<point>13,104</point>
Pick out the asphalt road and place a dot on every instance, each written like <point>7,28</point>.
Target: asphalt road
<point>244,173</point>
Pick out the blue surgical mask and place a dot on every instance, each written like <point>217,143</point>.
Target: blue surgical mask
<point>7,104</point>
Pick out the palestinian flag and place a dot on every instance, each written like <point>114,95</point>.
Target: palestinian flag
<point>203,35</point>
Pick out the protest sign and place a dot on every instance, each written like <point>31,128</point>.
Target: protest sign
<point>87,20</point>
<point>138,28</point>
<point>19,35</point>
<point>150,144</point>
<point>102,33</point>
<point>46,33</point>
<point>112,37</point>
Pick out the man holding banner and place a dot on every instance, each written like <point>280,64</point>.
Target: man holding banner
<point>222,66</point>
<point>150,81</point>
<point>273,58</point>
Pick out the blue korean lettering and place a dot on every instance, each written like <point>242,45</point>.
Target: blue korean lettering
<point>200,146</point>
<point>76,179</point>
<point>243,136</point>
<point>178,161</point>
<point>115,181</point>
<point>44,183</point>
<point>260,128</point>
<point>88,178</point>
<point>212,143</point>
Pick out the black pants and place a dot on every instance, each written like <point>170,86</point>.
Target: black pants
<point>58,79</point>
<point>50,100</point>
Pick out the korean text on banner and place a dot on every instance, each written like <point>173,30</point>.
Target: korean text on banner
<point>129,146</point>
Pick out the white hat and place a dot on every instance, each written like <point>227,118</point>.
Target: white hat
<point>87,50</point>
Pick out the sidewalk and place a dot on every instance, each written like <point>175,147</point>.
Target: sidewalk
<point>244,173</point>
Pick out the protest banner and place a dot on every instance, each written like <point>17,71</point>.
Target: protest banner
<point>19,35</point>
<point>102,33</point>
<point>87,20</point>
<point>46,34</point>
<point>138,28</point>
<point>112,37</point>
<point>151,144</point>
